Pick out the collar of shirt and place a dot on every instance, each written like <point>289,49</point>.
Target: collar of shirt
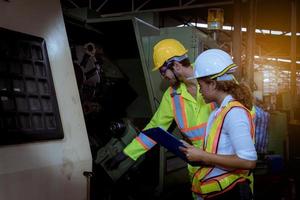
<point>185,94</point>
<point>224,103</point>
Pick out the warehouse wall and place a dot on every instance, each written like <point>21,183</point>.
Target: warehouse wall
<point>51,169</point>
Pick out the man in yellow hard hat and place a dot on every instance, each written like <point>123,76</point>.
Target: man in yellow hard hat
<point>181,102</point>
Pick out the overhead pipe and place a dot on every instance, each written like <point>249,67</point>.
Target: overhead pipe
<point>205,5</point>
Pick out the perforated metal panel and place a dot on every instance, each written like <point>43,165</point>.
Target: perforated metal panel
<point>28,105</point>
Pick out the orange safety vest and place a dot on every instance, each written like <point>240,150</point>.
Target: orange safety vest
<point>219,180</point>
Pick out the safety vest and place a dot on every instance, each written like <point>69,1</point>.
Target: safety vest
<point>211,181</point>
<point>195,134</point>
<point>189,114</point>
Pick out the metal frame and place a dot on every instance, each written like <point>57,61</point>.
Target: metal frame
<point>141,7</point>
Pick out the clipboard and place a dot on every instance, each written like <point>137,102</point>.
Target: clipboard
<point>167,140</point>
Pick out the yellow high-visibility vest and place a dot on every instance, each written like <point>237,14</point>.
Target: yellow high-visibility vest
<point>190,114</point>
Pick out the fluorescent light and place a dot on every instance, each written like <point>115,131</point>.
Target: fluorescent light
<point>201,25</point>
<point>228,28</point>
<point>264,31</point>
<point>283,60</point>
<point>276,32</point>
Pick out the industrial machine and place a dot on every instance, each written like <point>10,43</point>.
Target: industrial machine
<point>45,151</point>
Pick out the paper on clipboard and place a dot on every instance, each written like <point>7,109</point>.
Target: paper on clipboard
<point>167,140</point>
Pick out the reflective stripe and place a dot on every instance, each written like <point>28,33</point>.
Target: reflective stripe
<point>145,141</point>
<point>185,124</point>
<point>195,133</point>
<point>213,139</point>
<point>203,125</point>
<point>210,181</point>
<point>216,185</point>
<point>179,109</point>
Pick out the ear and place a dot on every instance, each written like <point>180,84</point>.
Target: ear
<point>213,84</point>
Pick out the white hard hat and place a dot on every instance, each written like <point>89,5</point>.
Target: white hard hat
<point>213,63</point>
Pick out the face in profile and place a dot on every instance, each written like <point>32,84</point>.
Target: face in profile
<point>206,89</point>
<point>168,75</point>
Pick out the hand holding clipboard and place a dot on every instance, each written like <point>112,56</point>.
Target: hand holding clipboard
<point>170,142</point>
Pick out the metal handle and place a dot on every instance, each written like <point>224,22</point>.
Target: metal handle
<point>88,176</point>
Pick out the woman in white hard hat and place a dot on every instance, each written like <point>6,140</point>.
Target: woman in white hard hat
<point>229,153</point>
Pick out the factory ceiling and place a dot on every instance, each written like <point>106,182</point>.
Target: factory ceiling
<point>270,17</point>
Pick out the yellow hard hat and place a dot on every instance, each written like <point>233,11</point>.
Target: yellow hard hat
<point>166,49</point>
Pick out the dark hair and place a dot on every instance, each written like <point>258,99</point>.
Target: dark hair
<point>240,92</point>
